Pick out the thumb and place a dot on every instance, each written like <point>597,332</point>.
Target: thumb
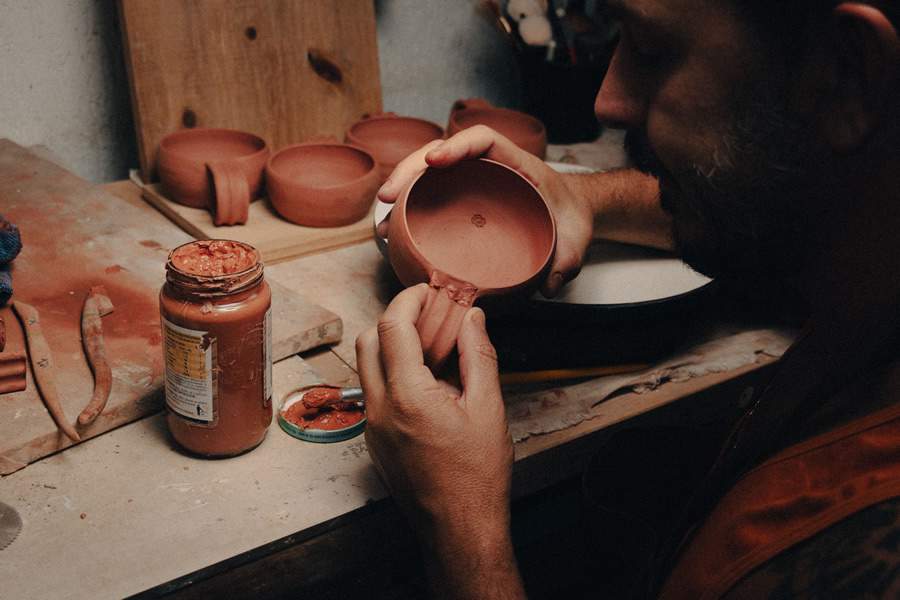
<point>477,358</point>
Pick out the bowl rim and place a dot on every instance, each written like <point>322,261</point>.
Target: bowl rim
<point>422,260</point>
<point>167,141</point>
<point>272,172</point>
<point>392,117</point>
<point>537,127</point>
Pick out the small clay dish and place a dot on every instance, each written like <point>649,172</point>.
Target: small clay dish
<point>525,131</point>
<point>320,434</point>
<point>390,138</point>
<point>200,167</point>
<point>322,184</point>
<point>475,229</point>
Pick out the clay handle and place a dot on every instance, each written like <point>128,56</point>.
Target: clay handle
<point>471,103</point>
<point>439,322</point>
<point>231,193</point>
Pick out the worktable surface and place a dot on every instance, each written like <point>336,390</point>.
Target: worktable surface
<point>127,511</point>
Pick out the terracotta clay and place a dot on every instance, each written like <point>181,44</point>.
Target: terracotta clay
<point>322,184</point>
<point>390,138</point>
<point>96,306</point>
<point>477,228</point>
<point>191,168</point>
<point>525,131</point>
<point>42,366</point>
<point>231,193</point>
<point>217,339</point>
<point>12,372</point>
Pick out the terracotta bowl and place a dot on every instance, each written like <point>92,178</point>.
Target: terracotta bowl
<point>322,184</point>
<point>184,155</point>
<point>390,138</point>
<point>475,229</point>
<point>524,130</point>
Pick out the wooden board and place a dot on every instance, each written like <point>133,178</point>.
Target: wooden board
<point>75,236</point>
<point>275,238</point>
<point>286,70</point>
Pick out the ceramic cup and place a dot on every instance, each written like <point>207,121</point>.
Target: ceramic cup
<point>217,169</point>
<point>525,131</point>
<point>390,138</point>
<point>475,229</point>
<point>322,184</point>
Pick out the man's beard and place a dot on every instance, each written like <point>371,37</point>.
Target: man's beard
<point>748,212</point>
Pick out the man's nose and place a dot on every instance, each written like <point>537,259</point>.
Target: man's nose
<point>620,103</point>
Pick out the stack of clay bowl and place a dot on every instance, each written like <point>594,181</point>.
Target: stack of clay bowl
<point>216,169</point>
<point>322,183</point>
<point>525,131</point>
<point>390,138</point>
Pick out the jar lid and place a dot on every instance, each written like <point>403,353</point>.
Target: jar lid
<point>312,434</point>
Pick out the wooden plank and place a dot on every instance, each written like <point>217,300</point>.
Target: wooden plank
<point>75,236</point>
<point>276,239</point>
<point>282,69</point>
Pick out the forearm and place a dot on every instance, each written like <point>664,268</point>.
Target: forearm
<point>626,208</point>
<point>471,560</point>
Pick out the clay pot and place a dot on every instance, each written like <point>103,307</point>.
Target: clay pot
<point>322,184</point>
<point>524,130</point>
<point>217,169</point>
<point>475,229</point>
<point>390,138</point>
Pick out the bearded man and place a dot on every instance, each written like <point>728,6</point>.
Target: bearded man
<point>767,138</point>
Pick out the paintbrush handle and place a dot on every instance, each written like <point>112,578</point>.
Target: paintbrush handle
<point>562,374</point>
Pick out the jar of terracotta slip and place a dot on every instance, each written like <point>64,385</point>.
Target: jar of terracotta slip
<point>217,331</point>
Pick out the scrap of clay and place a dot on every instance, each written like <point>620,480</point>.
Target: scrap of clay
<point>42,366</point>
<point>96,305</point>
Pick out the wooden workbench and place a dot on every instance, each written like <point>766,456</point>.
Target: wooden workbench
<point>127,512</point>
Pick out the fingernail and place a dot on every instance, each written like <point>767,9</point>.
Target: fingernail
<point>555,283</point>
<point>438,152</point>
<point>478,316</point>
<point>385,187</point>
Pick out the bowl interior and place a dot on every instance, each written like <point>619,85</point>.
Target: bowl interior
<point>396,136</point>
<point>322,165</point>
<point>508,122</point>
<point>482,223</point>
<point>213,144</point>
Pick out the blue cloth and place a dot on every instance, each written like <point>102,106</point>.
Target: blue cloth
<point>10,245</point>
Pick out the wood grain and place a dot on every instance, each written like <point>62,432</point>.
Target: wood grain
<point>286,70</point>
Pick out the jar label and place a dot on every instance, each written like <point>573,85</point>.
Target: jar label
<point>190,364</point>
<point>267,359</point>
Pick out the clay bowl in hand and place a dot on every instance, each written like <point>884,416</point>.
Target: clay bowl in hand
<point>475,229</point>
<point>522,129</point>
<point>322,184</point>
<point>217,169</point>
<point>390,138</point>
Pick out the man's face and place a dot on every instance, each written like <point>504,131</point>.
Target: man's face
<point>707,113</point>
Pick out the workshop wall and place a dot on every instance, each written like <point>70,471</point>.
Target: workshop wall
<point>63,82</point>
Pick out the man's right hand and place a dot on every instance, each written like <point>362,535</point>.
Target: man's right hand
<point>574,216</point>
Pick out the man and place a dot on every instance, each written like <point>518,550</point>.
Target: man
<point>773,129</point>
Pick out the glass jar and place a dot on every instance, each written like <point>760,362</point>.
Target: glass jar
<point>217,333</point>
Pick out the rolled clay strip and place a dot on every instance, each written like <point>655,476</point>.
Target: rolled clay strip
<point>12,372</point>
<point>96,305</point>
<point>42,366</point>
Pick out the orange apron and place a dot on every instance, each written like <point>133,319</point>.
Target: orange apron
<point>791,497</point>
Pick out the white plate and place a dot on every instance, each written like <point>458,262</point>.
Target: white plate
<point>614,274</point>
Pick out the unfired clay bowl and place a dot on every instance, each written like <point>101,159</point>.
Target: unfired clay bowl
<point>217,169</point>
<point>475,229</point>
<point>525,131</point>
<point>322,184</point>
<point>390,138</point>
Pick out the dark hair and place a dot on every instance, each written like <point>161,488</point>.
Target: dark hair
<point>788,23</point>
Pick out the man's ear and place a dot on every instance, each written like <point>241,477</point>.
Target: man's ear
<point>864,69</point>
